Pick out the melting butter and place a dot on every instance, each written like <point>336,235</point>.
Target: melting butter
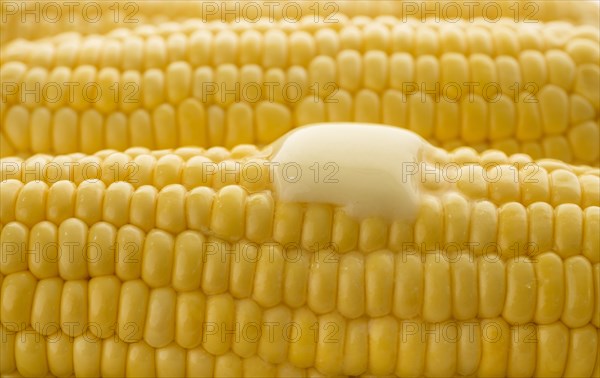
<point>369,170</point>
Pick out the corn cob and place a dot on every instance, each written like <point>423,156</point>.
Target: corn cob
<point>52,17</point>
<point>411,75</point>
<point>180,263</point>
<point>251,278</point>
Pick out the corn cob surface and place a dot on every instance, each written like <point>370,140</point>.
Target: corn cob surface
<point>528,88</point>
<point>103,17</point>
<point>517,261</point>
<point>175,217</point>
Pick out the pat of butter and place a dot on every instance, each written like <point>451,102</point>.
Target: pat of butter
<point>364,168</point>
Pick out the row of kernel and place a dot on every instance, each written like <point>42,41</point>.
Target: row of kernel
<point>510,128</point>
<point>483,348</point>
<point>549,30</point>
<point>549,152</point>
<point>72,251</point>
<point>435,290</point>
<point>93,201</point>
<point>108,89</point>
<point>437,285</point>
<point>113,20</point>
<point>308,20</point>
<point>215,17</point>
<point>453,75</point>
<point>187,262</point>
<point>304,17</point>
<point>311,25</point>
<point>204,169</point>
<point>172,208</point>
<point>131,311</point>
<point>36,167</point>
<point>412,348</point>
<point>154,17</point>
<point>233,211</point>
<point>56,18</point>
<point>103,307</point>
<point>381,32</point>
<point>509,230</point>
<point>111,89</point>
<point>548,110</point>
<point>448,223</point>
<point>495,179</point>
<point>189,123</point>
<point>273,46</point>
<point>30,354</point>
<point>461,155</point>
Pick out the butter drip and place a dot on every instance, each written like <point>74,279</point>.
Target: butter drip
<point>366,169</point>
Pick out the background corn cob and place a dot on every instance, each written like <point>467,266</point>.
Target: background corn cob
<point>17,23</point>
<point>162,89</point>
